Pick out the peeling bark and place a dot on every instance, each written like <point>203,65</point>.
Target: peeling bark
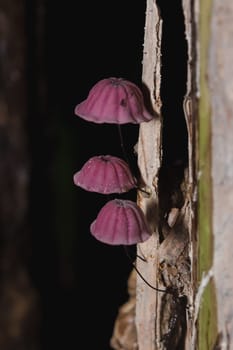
<point>149,162</point>
<point>165,320</point>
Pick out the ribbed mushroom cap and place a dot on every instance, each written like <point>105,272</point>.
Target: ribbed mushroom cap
<point>120,222</point>
<point>105,174</point>
<point>114,100</point>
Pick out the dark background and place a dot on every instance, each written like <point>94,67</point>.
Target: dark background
<point>81,281</point>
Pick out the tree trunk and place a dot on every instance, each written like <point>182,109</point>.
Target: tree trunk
<point>188,254</point>
<point>219,70</point>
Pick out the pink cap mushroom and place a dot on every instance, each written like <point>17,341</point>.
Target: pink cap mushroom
<point>120,222</point>
<point>114,100</point>
<point>105,174</point>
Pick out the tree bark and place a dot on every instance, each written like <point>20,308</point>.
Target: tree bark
<point>165,320</point>
<point>219,83</point>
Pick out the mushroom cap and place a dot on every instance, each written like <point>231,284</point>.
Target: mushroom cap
<point>114,101</point>
<point>120,222</point>
<point>105,174</point>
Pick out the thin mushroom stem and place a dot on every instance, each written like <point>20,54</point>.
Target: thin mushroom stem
<point>127,159</point>
<point>137,256</point>
<point>139,273</point>
<point>142,190</point>
<point>122,145</point>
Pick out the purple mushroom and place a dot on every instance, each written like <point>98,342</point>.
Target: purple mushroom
<point>105,174</point>
<point>114,100</point>
<point>120,222</point>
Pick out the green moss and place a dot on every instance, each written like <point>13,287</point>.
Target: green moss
<point>207,326</point>
<point>205,185</point>
<point>207,322</point>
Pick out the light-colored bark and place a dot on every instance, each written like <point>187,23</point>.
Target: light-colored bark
<point>220,73</point>
<point>149,161</point>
